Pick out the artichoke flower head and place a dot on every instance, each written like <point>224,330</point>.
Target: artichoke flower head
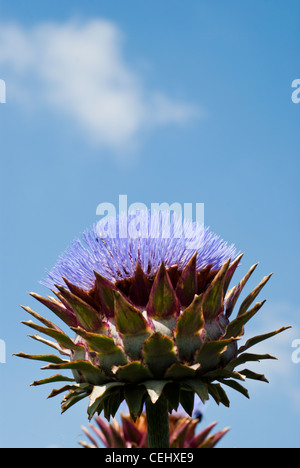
<point>149,315</point>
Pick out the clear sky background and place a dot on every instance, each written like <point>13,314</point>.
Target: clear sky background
<point>164,102</point>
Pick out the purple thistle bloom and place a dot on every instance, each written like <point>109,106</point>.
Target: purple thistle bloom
<point>150,238</point>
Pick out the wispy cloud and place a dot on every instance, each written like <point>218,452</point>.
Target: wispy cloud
<point>79,70</point>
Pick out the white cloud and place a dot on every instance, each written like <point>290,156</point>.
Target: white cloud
<point>79,70</point>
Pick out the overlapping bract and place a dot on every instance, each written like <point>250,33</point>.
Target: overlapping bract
<point>146,336</point>
<point>131,434</point>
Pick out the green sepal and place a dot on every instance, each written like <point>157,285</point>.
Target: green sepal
<point>187,347</point>
<point>223,374</point>
<point>59,336</point>
<point>53,379</point>
<point>218,394</point>
<point>213,300</point>
<point>189,325</point>
<point>89,296</point>
<point>236,327</point>
<point>112,402</point>
<point>65,388</point>
<point>41,319</point>
<point>87,316</point>
<point>134,372</point>
<point>74,397</point>
<point>191,321</point>
<point>155,388</point>
<point>209,354</point>
<point>258,339</point>
<point>99,394</point>
<point>236,386</point>
<point>92,374</point>
<point>234,293</point>
<point>186,399</point>
<point>42,357</point>
<point>52,344</point>
<point>163,302</point>
<point>133,344</point>
<point>172,394</point>
<point>159,354</point>
<point>230,272</point>
<point>252,296</point>
<point>165,326</point>
<point>67,316</point>
<point>71,402</point>
<point>198,386</point>
<point>179,371</point>
<point>129,319</point>
<point>132,325</point>
<point>253,375</point>
<point>135,397</point>
<point>108,353</point>
<point>248,357</point>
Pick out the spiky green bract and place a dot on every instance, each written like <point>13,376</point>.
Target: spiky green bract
<point>145,338</point>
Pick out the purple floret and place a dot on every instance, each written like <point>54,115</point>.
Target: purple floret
<point>152,238</point>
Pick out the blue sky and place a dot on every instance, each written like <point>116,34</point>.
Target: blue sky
<point>187,102</point>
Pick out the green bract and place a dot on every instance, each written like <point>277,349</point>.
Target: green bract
<point>144,336</point>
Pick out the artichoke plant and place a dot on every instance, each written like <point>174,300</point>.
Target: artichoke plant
<point>131,434</point>
<point>151,321</point>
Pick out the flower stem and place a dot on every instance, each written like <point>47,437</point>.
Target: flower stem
<point>158,423</point>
